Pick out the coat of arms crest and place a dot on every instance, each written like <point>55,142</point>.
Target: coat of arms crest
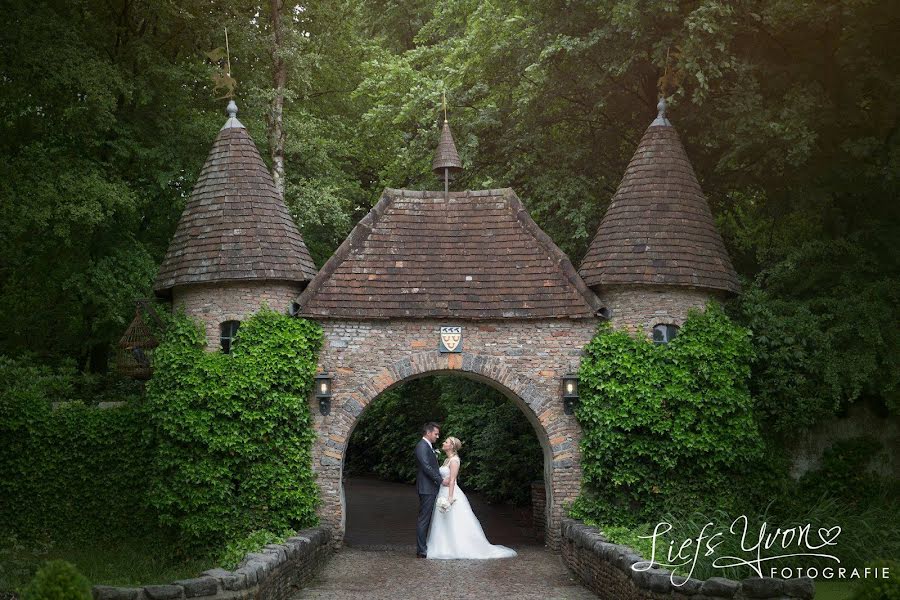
<point>451,339</point>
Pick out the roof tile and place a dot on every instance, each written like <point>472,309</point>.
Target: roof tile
<point>235,225</point>
<point>658,228</point>
<point>469,255</point>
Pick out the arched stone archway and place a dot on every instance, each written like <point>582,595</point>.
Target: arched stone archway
<point>525,360</point>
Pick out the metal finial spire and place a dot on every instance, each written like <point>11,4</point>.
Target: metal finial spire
<point>661,118</point>
<point>232,111</point>
<point>444,98</point>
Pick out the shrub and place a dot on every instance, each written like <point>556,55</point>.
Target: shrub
<point>666,426</point>
<point>58,580</point>
<point>233,432</point>
<point>236,550</point>
<point>880,589</point>
<point>843,472</point>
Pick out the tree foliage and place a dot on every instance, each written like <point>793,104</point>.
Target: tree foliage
<point>501,453</point>
<point>786,110</point>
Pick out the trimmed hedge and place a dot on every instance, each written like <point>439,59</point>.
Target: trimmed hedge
<point>73,472</point>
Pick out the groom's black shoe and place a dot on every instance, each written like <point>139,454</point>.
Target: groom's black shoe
<point>421,555</point>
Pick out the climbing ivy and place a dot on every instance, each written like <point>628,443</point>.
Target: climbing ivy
<point>233,432</point>
<point>666,426</point>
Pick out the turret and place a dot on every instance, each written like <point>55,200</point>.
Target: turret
<point>236,245</point>
<point>657,251</point>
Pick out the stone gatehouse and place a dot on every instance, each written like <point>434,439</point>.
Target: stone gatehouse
<point>424,260</point>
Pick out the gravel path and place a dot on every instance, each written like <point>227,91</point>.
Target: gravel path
<point>378,559</point>
<point>535,574</point>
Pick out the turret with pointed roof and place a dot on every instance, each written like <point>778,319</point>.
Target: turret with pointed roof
<point>236,244</point>
<point>658,228</point>
<point>235,226</point>
<point>657,252</point>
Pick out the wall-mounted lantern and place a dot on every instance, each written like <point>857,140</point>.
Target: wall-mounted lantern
<point>569,393</point>
<point>323,392</point>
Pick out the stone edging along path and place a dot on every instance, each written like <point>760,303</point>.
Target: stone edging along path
<point>274,573</point>
<point>605,568</point>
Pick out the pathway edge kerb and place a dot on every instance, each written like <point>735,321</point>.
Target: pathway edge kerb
<point>273,573</point>
<point>605,568</point>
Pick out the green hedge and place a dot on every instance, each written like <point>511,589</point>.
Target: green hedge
<point>75,471</point>
<point>667,426</point>
<point>220,447</point>
<point>232,433</point>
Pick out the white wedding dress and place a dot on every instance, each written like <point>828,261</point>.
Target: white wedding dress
<point>457,533</point>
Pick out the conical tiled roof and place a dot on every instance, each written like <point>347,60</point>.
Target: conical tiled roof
<point>235,226</point>
<point>446,155</point>
<point>658,228</point>
<point>464,255</point>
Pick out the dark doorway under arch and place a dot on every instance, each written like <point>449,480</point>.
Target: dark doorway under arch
<point>502,456</point>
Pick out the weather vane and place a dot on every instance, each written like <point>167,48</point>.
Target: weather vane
<point>223,80</point>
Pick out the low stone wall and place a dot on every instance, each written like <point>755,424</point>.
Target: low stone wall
<point>605,568</point>
<point>275,573</point>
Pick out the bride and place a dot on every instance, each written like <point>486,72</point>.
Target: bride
<point>457,533</point>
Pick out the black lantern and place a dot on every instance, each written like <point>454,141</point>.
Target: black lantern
<point>569,393</point>
<point>323,392</point>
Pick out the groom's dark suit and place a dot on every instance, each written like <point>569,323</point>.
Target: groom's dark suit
<point>428,482</point>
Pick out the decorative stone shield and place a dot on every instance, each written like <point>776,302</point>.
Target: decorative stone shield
<point>451,339</point>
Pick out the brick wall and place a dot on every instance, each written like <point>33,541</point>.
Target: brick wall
<point>639,308</point>
<point>274,573</point>
<point>539,509</point>
<point>606,569</point>
<point>215,303</point>
<point>523,359</point>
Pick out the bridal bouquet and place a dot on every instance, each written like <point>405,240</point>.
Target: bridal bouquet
<point>444,504</point>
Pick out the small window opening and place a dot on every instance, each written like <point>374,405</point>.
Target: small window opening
<point>228,330</point>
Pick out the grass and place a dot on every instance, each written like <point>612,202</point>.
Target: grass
<point>129,562</point>
<point>834,590</point>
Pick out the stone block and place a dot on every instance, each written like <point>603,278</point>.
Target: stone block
<point>164,592</point>
<point>236,582</point>
<point>802,587</point>
<point>108,592</point>
<point>249,575</point>
<point>762,587</point>
<point>217,572</point>
<point>200,586</point>
<point>683,585</point>
<point>719,587</point>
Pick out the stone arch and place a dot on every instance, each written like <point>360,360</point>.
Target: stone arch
<point>537,398</point>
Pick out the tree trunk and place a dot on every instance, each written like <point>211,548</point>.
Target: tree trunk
<point>275,120</point>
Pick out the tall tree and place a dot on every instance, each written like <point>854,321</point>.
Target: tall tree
<point>275,117</point>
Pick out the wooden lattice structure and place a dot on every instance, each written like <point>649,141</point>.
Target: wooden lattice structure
<point>134,357</point>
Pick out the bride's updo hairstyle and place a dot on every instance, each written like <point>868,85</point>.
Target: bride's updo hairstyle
<point>455,444</point>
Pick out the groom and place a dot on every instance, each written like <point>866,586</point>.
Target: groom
<point>428,482</point>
